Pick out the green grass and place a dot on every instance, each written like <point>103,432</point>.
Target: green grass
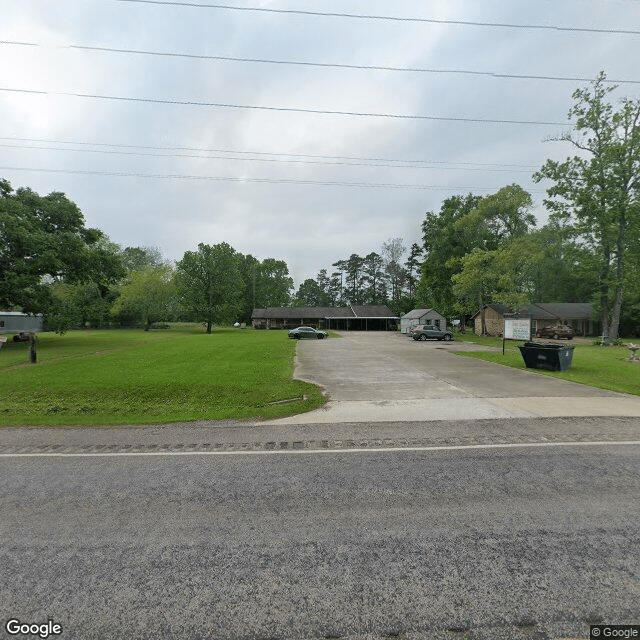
<point>117,377</point>
<point>602,367</point>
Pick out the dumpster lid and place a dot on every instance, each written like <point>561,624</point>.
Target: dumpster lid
<point>547,345</point>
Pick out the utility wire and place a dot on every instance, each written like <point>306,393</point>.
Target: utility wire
<point>224,105</point>
<point>321,65</point>
<point>332,183</point>
<point>412,165</point>
<point>263,153</point>
<point>502,25</point>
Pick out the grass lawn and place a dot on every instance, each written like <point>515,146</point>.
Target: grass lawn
<point>117,377</point>
<point>603,367</point>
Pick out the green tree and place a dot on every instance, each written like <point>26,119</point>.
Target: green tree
<point>310,294</point>
<point>210,283</point>
<point>79,305</point>
<point>274,284</point>
<point>475,282</point>
<point>412,266</point>
<point>598,190</point>
<point>148,294</point>
<point>392,252</point>
<point>138,258</point>
<point>374,277</point>
<point>443,243</point>
<point>43,239</point>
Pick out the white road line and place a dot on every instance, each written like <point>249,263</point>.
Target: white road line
<point>271,452</point>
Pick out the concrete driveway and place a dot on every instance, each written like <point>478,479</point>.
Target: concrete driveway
<point>383,376</point>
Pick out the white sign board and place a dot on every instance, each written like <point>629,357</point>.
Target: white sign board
<point>517,329</point>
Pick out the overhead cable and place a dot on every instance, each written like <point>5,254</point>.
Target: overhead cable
<point>261,153</point>
<point>224,105</point>
<point>332,183</point>
<point>389,164</point>
<point>328,14</point>
<point>321,65</point>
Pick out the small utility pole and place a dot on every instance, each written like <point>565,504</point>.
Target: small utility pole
<point>33,356</point>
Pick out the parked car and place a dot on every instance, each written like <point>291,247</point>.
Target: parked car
<point>556,331</point>
<point>427,331</point>
<point>307,332</point>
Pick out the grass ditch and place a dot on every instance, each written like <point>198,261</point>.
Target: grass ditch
<point>125,376</point>
<point>603,367</point>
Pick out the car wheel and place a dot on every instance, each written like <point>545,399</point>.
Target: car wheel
<point>555,336</point>
<point>569,337</point>
<point>448,337</point>
<point>320,336</point>
<point>423,337</point>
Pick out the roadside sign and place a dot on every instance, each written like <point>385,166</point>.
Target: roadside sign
<point>516,329</point>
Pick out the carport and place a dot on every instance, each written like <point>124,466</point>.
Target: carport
<point>351,318</point>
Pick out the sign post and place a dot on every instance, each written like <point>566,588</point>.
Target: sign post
<point>516,329</point>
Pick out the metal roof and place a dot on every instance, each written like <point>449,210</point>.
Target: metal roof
<point>355,311</point>
<point>549,310</point>
<point>418,313</point>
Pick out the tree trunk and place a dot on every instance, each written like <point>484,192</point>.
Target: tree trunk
<point>483,323</point>
<point>615,317</point>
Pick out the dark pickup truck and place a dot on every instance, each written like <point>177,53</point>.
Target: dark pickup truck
<point>427,332</point>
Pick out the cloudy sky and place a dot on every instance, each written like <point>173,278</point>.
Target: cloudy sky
<point>287,132</point>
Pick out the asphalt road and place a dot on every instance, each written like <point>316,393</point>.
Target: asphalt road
<point>286,542</point>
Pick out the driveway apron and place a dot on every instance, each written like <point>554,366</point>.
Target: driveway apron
<point>381,376</point>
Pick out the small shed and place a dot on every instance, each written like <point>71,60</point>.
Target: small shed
<point>16,322</point>
<point>422,316</point>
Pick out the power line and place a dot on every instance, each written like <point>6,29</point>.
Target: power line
<point>502,25</point>
<point>261,153</point>
<point>224,105</point>
<point>332,183</point>
<point>321,65</point>
<point>390,164</point>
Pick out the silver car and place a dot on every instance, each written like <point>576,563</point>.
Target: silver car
<point>307,332</point>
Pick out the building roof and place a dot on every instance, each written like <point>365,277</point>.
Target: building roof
<point>497,307</point>
<point>372,311</point>
<point>548,310</point>
<point>416,314</point>
<point>561,311</point>
<point>355,311</point>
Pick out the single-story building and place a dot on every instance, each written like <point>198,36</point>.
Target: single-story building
<point>493,319</point>
<point>351,318</point>
<point>422,316</point>
<point>580,315</point>
<point>16,322</point>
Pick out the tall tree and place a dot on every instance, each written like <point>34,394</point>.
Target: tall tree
<point>599,190</point>
<point>44,239</point>
<point>392,252</point>
<point>148,294</point>
<point>324,284</point>
<point>273,284</point>
<point>375,286</point>
<point>309,294</point>
<point>354,279</point>
<point>137,258</point>
<point>443,243</point>
<point>412,265</point>
<point>210,284</point>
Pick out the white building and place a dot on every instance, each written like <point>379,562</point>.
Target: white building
<point>422,316</point>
